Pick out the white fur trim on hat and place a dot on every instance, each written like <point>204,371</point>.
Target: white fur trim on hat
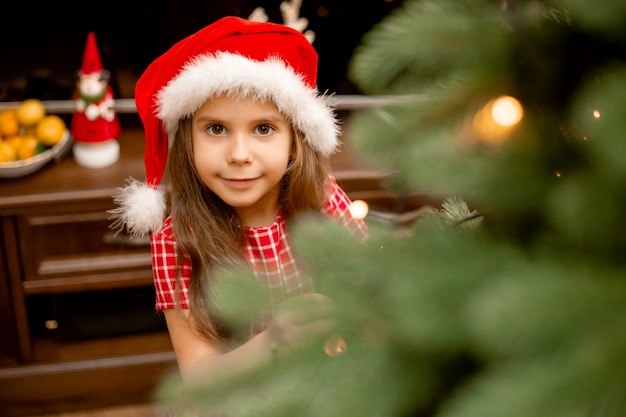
<point>212,75</point>
<point>141,208</point>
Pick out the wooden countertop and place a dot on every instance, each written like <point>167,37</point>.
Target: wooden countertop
<point>64,180</point>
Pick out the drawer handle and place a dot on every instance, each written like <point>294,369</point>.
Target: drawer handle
<point>124,239</point>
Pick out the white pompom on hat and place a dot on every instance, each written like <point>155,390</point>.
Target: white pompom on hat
<point>232,56</point>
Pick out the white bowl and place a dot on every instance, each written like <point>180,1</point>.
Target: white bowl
<point>32,164</point>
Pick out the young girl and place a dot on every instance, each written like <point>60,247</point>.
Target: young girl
<point>234,111</point>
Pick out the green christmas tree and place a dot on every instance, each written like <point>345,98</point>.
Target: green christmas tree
<point>513,307</point>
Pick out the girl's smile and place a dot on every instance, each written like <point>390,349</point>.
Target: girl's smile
<point>241,152</point>
<point>239,183</point>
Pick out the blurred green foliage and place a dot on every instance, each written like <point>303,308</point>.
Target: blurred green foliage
<point>523,312</point>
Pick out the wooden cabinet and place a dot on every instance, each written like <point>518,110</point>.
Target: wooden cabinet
<point>77,322</point>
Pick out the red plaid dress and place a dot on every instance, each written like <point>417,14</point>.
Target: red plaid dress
<point>267,250</point>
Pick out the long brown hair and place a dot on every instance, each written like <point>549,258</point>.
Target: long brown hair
<point>208,231</point>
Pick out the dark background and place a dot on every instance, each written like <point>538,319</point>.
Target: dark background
<point>42,42</point>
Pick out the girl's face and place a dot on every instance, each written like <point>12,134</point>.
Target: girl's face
<point>241,149</point>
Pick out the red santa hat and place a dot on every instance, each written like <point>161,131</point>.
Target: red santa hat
<point>232,56</point>
<point>91,56</point>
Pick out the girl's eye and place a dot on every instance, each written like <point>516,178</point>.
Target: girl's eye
<point>264,130</point>
<point>216,129</point>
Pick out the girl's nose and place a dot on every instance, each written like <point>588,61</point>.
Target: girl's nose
<point>239,152</point>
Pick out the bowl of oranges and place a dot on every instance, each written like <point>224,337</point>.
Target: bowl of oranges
<point>30,138</point>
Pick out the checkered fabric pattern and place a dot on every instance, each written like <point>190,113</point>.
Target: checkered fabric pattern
<point>267,250</point>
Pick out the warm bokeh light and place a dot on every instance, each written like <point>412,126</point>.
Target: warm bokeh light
<point>335,346</point>
<point>507,111</point>
<point>51,324</point>
<point>359,209</point>
<point>495,122</point>
<point>596,113</point>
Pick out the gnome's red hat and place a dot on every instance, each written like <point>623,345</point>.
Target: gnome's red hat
<point>239,57</point>
<point>91,56</point>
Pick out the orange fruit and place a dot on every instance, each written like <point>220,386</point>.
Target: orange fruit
<point>14,141</point>
<point>9,125</point>
<point>28,147</point>
<point>50,130</point>
<point>30,112</point>
<point>7,152</point>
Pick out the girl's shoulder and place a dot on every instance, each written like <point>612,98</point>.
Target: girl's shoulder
<point>337,207</point>
<point>165,232</point>
<point>337,199</point>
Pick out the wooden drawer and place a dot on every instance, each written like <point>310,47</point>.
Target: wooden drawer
<point>77,319</point>
<point>71,248</point>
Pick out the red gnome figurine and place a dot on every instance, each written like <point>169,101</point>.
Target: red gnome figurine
<point>95,126</point>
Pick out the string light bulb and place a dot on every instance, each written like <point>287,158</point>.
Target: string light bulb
<point>506,111</point>
<point>495,121</point>
<point>359,209</point>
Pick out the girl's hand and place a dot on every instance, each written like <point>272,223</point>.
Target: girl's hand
<point>300,321</point>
